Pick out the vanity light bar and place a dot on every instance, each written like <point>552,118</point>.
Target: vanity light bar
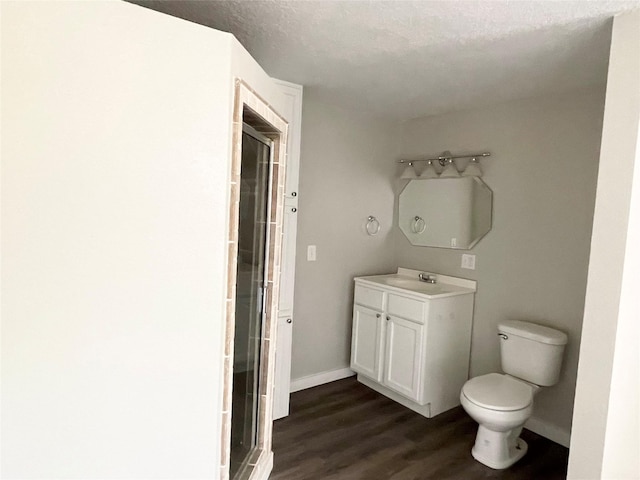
<point>446,156</point>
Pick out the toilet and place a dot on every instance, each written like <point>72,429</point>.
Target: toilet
<point>501,403</point>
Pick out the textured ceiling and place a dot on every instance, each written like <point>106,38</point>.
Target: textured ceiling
<point>407,59</point>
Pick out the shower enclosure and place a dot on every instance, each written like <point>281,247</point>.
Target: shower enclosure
<point>250,297</point>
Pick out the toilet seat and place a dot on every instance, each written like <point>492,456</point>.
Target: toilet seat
<point>498,392</point>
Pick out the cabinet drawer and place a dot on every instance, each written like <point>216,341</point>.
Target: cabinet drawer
<point>369,297</point>
<point>406,308</point>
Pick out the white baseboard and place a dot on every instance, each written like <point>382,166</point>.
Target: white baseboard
<point>320,379</point>
<point>547,430</point>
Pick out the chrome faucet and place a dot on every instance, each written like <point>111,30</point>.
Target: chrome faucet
<point>425,277</point>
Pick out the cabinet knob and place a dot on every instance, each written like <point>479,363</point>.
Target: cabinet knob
<point>388,318</point>
<point>294,209</point>
<point>289,320</point>
<point>294,194</point>
<point>377,315</point>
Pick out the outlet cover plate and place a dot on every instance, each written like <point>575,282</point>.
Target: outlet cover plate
<point>468,261</point>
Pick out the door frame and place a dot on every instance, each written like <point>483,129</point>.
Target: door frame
<point>251,109</point>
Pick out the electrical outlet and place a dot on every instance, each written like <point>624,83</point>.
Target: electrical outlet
<point>468,261</point>
<point>311,253</point>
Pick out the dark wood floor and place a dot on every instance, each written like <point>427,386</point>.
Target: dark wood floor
<point>344,430</point>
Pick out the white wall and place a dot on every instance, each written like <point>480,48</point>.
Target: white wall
<point>345,166</point>
<point>244,67</point>
<point>533,263</point>
<point>621,458</point>
<point>115,166</point>
<point>606,434</point>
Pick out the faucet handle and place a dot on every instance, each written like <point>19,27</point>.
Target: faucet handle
<point>426,277</point>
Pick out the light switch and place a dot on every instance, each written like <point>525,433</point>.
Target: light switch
<point>468,261</point>
<point>311,253</point>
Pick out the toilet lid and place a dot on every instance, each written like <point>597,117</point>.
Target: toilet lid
<point>498,392</point>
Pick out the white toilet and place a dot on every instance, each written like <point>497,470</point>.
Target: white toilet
<point>501,403</point>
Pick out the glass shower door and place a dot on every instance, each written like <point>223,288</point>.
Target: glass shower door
<point>250,283</point>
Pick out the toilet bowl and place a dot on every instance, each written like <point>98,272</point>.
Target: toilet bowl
<point>501,403</point>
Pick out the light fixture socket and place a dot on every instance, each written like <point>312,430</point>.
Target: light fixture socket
<point>473,169</point>
<point>429,171</point>
<point>450,170</point>
<point>409,173</point>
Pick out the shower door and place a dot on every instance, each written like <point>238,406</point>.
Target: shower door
<point>250,297</point>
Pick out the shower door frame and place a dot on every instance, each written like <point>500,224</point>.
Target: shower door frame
<point>251,109</point>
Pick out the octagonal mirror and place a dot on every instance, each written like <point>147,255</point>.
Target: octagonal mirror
<point>445,212</point>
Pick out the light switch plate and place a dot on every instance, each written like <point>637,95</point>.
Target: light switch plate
<point>468,261</point>
<point>311,253</point>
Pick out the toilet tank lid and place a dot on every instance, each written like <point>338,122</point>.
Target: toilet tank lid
<point>535,332</point>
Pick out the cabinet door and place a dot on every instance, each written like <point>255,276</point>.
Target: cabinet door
<point>293,113</point>
<point>282,384</point>
<point>366,342</point>
<point>293,106</point>
<point>403,357</point>
<point>288,261</point>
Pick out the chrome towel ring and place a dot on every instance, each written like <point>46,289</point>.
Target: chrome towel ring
<point>418,225</point>
<point>373,225</point>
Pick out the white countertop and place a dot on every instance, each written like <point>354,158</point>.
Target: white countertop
<point>407,280</point>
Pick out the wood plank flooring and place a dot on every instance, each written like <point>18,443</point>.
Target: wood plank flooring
<point>346,431</point>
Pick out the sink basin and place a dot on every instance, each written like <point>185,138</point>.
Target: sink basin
<point>400,282</point>
<point>407,280</point>
<point>411,284</point>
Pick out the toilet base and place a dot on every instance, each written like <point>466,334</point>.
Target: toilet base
<point>498,450</point>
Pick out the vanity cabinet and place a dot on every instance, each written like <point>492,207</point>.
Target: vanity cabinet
<point>402,349</point>
<point>366,342</point>
<point>403,354</point>
<point>411,342</point>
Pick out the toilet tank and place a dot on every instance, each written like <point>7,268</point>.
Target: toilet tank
<point>531,352</point>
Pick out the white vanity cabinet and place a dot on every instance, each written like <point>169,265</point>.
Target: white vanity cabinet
<point>403,354</point>
<point>366,342</point>
<point>411,339</point>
